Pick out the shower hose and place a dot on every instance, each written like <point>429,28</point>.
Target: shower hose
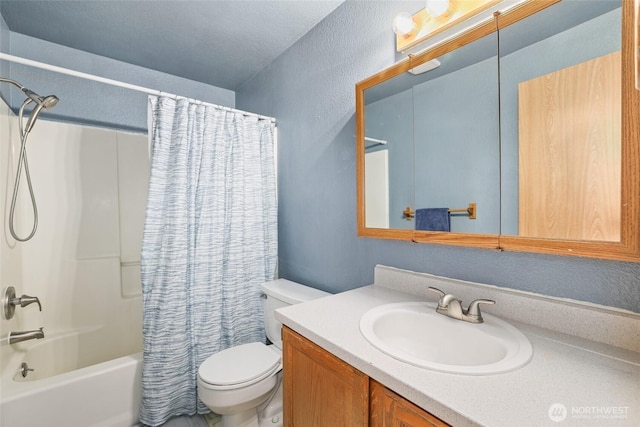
<point>22,160</point>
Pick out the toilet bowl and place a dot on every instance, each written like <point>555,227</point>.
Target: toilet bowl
<point>243,383</point>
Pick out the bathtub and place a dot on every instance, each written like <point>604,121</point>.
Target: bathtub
<point>79,380</point>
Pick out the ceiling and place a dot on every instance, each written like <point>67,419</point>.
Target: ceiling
<point>218,42</point>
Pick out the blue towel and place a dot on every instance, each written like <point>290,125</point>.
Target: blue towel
<point>433,219</point>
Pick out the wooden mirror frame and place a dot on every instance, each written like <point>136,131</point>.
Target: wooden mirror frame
<point>627,249</point>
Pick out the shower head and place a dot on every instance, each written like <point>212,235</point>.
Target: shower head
<point>41,102</point>
<point>44,101</point>
<point>50,101</point>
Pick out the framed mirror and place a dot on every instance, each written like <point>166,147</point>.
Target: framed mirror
<point>532,118</point>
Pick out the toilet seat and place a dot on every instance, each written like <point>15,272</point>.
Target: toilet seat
<point>239,366</point>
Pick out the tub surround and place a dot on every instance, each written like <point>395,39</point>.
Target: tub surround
<point>106,394</point>
<point>584,356</point>
<point>83,265</point>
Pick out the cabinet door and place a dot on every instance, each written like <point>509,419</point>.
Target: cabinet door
<point>390,410</point>
<point>319,389</point>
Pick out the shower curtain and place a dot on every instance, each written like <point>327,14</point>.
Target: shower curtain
<point>210,240</point>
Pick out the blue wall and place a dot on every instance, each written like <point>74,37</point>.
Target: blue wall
<point>457,145</point>
<point>4,66</point>
<point>310,89</point>
<point>88,102</point>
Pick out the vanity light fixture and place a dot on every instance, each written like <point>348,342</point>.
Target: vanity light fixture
<point>437,16</point>
<point>403,24</point>
<point>437,8</point>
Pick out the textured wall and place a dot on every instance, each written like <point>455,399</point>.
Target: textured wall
<point>310,90</point>
<point>4,47</point>
<point>88,102</point>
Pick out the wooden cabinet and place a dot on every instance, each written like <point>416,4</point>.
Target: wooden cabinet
<point>321,390</point>
<point>387,409</point>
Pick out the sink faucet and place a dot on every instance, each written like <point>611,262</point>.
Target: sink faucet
<point>15,337</point>
<point>452,307</point>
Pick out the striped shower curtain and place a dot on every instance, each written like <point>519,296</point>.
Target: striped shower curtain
<point>210,240</point>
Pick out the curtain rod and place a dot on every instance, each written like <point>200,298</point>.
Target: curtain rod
<point>69,72</point>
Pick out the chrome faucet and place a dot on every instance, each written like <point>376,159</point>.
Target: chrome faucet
<point>10,302</point>
<point>15,337</point>
<point>451,306</point>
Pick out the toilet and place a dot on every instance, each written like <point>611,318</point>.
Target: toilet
<point>243,383</point>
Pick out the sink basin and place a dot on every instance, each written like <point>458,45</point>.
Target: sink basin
<point>414,333</point>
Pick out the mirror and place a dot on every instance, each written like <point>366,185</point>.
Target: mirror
<point>389,166</point>
<point>474,142</point>
<point>396,106</point>
<point>561,122</point>
<point>455,151</point>
<point>456,143</point>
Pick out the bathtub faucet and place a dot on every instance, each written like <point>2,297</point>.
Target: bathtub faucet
<point>10,301</point>
<point>15,337</point>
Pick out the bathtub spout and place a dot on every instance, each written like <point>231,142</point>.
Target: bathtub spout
<point>15,337</point>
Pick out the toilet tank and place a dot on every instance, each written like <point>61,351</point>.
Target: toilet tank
<point>282,293</point>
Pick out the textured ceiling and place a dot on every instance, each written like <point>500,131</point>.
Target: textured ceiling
<point>218,42</point>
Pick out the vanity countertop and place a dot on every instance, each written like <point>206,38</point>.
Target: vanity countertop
<point>598,384</point>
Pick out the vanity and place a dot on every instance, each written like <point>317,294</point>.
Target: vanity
<point>585,362</point>
<point>343,396</point>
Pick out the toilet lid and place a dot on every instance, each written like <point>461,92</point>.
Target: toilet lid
<point>242,364</point>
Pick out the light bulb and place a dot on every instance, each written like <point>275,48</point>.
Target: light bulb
<point>403,24</point>
<point>437,8</point>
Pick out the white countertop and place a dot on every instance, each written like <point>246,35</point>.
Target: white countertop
<point>598,384</point>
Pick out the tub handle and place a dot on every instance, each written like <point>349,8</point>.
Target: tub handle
<point>25,300</point>
<point>10,301</point>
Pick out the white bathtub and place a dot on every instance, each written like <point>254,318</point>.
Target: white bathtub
<point>72,385</point>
